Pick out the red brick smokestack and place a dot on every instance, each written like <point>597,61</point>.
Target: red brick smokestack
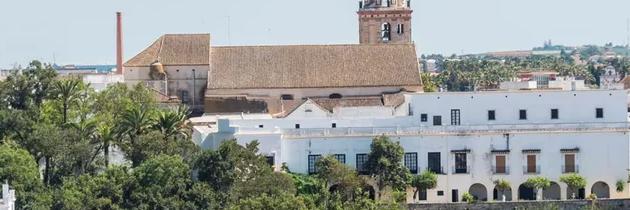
<point>119,45</point>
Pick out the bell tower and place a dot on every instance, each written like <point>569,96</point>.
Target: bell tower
<point>385,21</point>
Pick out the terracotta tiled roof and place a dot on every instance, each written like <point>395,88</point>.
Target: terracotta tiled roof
<point>331,104</point>
<point>313,66</point>
<point>175,49</point>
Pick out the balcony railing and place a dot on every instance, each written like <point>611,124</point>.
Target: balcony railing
<point>500,170</point>
<point>531,169</point>
<point>570,169</point>
<point>438,130</point>
<point>461,170</point>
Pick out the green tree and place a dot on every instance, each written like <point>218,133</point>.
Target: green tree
<point>538,183</point>
<point>339,177</point>
<point>134,123</point>
<point>103,191</point>
<point>160,183</point>
<point>284,201</point>
<point>574,182</point>
<point>67,92</point>
<point>384,165</point>
<point>426,180</point>
<point>172,123</point>
<point>428,82</point>
<point>19,168</point>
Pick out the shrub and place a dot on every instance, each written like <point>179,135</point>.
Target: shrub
<point>468,198</point>
<point>621,185</point>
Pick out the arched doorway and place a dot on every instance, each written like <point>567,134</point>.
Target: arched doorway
<point>601,189</point>
<point>526,193</point>
<point>497,194</point>
<point>552,192</point>
<point>575,193</point>
<point>479,192</point>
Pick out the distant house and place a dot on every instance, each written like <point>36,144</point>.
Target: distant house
<point>529,80</point>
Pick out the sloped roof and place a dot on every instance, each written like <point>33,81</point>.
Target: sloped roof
<point>313,66</point>
<point>175,49</point>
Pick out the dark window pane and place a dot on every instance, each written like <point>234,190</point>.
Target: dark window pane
<point>411,162</point>
<point>424,117</point>
<point>599,113</point>
<point>491,115</point>
<point>361,160</point>
<point>437,120</point>
<point>554,114</point>
<point>455,117</point>
<point>522,114</point>
<point>341,158</point>
<point>312,159</point>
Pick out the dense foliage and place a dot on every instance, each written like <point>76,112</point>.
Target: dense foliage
<point>57,137</point>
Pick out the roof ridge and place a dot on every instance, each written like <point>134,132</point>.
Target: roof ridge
<point>314,45</point>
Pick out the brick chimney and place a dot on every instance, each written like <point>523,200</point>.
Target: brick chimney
<point>119,44</point>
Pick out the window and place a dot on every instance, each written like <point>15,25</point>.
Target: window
<point>599,113</point>
<point>334,125</point>
<point>184,96</point>
<point>270,160</point>
<point>400,29</point>
<point>492,115</point>
<point>312,159</point>
<point>569,164</point>
<point>424,117</point>
<point>531,165</point>
<point>411,162</point>
<point>286,97</point>
<point>261,126</point>
<point>361,161</point>
<point>460,163</point>
<point>455,117</point>
<point>522,114</point>
<point>341,158</point>
<point>335,96</point>
<point>440,192</point>
<point>554,114</point>
<point>422,195</point>
<point>297,126</point>
<point>386,32</point>
<point>500,167</point>
<point>435,163</point>
<point>437,120</point>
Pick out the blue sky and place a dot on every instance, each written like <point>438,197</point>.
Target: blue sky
<point>83,31</point>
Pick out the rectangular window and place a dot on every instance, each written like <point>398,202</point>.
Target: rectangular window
<point>261,126</point>
<point>361,161</point>
<point>599,113</point>
<point>437,120</point>
<point>554,114</point>
<point>312,159</point>
<point>341,158</point>
<point>435,163</point>
<point>424,117</point>
<point>286,97</point>
<point>531,164</point>
<point>522,114</point>
<point>411,162</point>
<point>569,164</point>
<point>297,126</point>
<point>455,117</point>
<point>500,167</point>
<point>492,115</point>
<point>334,125</point>
<point>460,163</point>
<point>401,28</point>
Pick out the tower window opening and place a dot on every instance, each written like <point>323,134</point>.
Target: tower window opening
<point>335,96</point>
<point>386,31</point>
<point>401,28</point>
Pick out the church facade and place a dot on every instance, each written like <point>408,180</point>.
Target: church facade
<point>277,79</point>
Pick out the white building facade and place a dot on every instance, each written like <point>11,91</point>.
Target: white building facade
<point>469,139</point>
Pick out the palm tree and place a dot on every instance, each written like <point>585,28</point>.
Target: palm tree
<point>67,91</point>
<point>172,123</point>
<point>135,122</point>
<point>105,135</point>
